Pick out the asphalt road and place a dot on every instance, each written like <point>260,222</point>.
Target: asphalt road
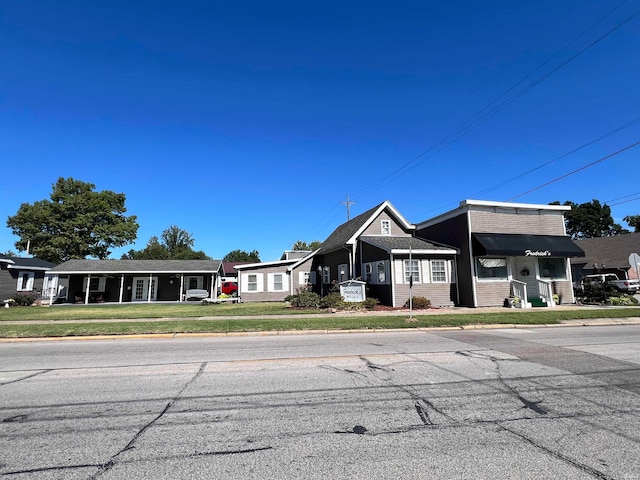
<point>503,403</point>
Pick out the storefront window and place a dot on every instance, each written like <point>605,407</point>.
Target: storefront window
<point>552,268</point>
<point>492,268</point>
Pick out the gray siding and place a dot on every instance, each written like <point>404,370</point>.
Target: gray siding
<point>264,295</point>
<point>455,232</point>
<point>492,294</point>
<point>375,227</point>
<point>9,282</point>
<point>517,221</point>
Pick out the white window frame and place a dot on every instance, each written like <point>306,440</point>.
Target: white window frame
<point>385,227</point>
<point>444,271</point>
<point>367,272</point>
<point>492,279</point>
<point>541,271</point>
<point>406,271</point>
<point>272,284</point>
<point>304,278</point>
<point>21,286</point>
<point>244,282</point>
<point>381,275</point>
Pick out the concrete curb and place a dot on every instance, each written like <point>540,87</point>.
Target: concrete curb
<point>151,336</point>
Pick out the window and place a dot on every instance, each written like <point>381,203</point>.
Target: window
<point>385,227</point>
<point>411,269</point>
<point>343,274</point>
<point>491,268</point>
<point>368,269</point>
<point>438,271</point>
<point>552,268</point>
<point>193,283</point>
<point>25,281</point>
<point>252,283</point>
<point>304,278</point>
<point>277,282</point>
<point>96,284</point>
<point>382,272</point>
<point>326,275</point>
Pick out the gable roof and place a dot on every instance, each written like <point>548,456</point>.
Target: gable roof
<point>229,268</point>
<point>348,232</point>
<point>612,251</point>
<point>137,266</point>
<point>25,263</point>
<point>392,244</point>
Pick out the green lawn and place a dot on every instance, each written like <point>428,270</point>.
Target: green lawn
<point>143,310</point>
<point>186,323</point>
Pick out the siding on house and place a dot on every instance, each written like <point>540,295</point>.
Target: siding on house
<point>522,221</point>
<point>375,228</point>
<point>454,231</point>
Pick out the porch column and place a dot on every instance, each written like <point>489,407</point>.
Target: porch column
<point>86,294</point>
<point>181,284</point>
<point>214,287</point>
<point>51,283</point>
<point>121,288</point>
<point>149,289</point>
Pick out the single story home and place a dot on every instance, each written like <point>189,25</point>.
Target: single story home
<point>274,281</point>
<point>507,249</point>
<point>23,275</point>
<point>607,255</point>
<point>96,281</point>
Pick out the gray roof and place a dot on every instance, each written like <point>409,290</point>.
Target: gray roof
<point>612,251</point>
<point>26,262</point>
<point>138,266</point>
<point>389,243</point>
<point>341,235</point>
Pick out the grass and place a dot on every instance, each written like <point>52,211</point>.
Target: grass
<point>184,321</point>
<point>143,310</point>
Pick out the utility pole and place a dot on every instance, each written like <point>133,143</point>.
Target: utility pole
<point>348,203</point>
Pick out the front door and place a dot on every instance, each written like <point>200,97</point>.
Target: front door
<point>524,269</point>
<point>141,288</point>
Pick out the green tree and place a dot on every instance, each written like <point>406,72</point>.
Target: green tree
<point>590,219</point>
<point>174,244</point>
<point>302,245</point>
<point>242,256</point>
<point>76,222</point>
<point>633,221</point>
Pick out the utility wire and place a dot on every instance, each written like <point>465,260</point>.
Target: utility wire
<point>496,105</point>
<point>629,147</point>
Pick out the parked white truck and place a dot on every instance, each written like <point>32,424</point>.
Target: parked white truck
<point>611,279</point>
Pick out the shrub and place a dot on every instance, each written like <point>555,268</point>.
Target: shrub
<point>370,303</point>
<point>623,300</point>
<point>419,302</point>
<point>25,299</point>
<point>304,298</point>
<point>333,300</point>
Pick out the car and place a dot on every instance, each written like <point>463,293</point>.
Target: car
<point>229,288</point>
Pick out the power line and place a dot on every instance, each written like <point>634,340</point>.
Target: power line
<point>487,111</point>
<point>629,147</point>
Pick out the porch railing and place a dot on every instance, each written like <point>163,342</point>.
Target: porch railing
<point>546,293</point>
<point>519,290</point>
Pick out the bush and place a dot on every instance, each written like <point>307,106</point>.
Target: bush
<point>419,302</point>
<point>623,300</point>
<point>304,298</point>
<point>333,300</point>
<point>25,299</point>
<point>370,303</point>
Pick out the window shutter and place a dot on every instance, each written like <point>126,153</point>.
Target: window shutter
<point>399,271</point>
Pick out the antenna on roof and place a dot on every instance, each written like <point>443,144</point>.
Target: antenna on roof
<point>348,203</point>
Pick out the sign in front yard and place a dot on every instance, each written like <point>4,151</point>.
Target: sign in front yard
<point>353,291</point>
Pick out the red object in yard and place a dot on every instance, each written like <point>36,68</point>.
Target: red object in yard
<point>229,288</point>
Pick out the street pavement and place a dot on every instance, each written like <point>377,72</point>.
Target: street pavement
<point>524,403</point>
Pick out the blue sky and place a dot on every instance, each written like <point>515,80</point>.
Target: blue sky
<point>248,123</point>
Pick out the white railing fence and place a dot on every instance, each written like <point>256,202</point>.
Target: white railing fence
<point>519,290</point>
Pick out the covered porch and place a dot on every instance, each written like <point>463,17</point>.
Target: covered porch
<point>120,281</point>
<point>532,270</point>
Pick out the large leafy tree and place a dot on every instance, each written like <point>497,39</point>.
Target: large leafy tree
<point>75,222</point>
<point>590,219</point>
<point>174,244</point>
<point>302,245</point>
<point>242,256</point>
<point>633,221</point>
